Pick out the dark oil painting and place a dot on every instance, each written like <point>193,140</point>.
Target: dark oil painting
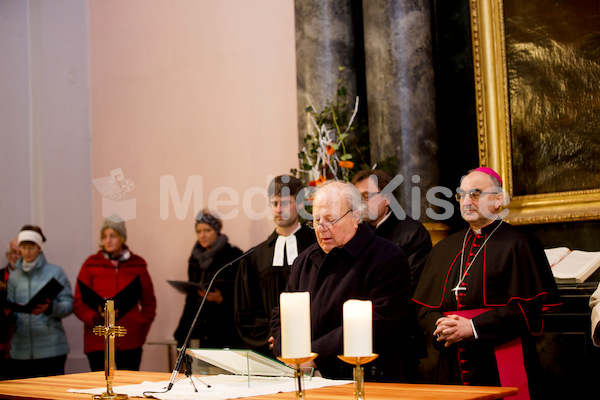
<point>553,68</point>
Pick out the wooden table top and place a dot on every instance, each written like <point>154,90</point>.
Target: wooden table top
<point>54,387</point>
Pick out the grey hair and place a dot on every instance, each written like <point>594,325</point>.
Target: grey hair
<point>348,192</point>
<point>8,248</point>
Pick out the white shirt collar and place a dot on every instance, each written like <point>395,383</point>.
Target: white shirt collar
<point>384,219</point>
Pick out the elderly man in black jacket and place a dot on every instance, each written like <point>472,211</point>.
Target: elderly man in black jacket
<point>350,262</point>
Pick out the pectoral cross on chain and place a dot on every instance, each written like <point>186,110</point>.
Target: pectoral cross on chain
<point>109,330</point>
<point>457,289</point>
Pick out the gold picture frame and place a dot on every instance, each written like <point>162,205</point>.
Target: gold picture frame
<point>493,126</point>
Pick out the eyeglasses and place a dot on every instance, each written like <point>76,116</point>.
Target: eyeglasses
<point>369,195</point>
<point>325,224</point>
<point>475,194</point>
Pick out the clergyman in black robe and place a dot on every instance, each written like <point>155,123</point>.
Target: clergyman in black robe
<point>378,191</point>
<point>263,275</point>
<point>482,290</point>
<point>258,286</point>
<point>405,232</point>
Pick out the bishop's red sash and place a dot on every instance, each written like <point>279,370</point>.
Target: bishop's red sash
<point>509,357</point>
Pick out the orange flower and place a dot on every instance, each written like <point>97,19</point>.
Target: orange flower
<point>346,164</point>
<point>320,181</point>
<point>330,150</point>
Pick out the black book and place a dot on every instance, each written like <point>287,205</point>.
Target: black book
<point>48,292</point>
<point>187,287</point>
<point>125,300</point>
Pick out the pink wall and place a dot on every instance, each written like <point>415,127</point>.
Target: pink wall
<point>190,88</point>
<point>45,136</point>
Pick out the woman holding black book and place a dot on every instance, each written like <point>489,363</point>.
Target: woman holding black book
<point>40,295</point>
<point>114,272</point>
<point>215,326</point>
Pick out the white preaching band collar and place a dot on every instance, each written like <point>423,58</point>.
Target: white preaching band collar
<point>291,248</point>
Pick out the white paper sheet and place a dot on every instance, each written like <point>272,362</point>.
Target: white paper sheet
<point>223,387</point>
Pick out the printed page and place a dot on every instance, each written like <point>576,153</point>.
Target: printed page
<point>578,265</point>
<point>556,254</point>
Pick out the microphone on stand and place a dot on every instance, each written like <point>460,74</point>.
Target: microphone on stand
<point>187,339</point>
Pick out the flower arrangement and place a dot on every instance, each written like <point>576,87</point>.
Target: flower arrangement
<point>325,154</point>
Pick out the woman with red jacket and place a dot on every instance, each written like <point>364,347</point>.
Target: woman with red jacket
<point>115,270</point>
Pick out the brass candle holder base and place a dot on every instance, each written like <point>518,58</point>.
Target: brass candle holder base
<point>112,396</point>
<point>109,394</point>
<point>298,374</point>
<point>359,373</point>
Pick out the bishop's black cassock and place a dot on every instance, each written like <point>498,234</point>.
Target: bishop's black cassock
<point>510,277</point>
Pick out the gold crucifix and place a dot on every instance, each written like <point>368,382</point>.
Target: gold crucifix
<point>109,330</point>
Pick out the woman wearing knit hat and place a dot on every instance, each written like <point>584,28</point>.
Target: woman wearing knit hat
<point>115,269</point>
<point>39,345</point>
<point>215,327</point>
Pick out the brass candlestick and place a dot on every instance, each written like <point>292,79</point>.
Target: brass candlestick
<point>109,330</point>
<point>298,374</point>
<point>359,373</point>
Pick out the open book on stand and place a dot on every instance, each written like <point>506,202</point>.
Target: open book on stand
<point>572,266</point>
<point>242,362</point>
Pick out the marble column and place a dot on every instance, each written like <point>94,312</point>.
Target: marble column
<point>324,42</point>
<point>401,94</point>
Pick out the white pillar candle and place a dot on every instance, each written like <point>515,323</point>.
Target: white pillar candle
<point>294,309</point>
<point>358,328</point>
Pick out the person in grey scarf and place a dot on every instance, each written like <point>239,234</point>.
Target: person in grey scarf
<point>215,326</point>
